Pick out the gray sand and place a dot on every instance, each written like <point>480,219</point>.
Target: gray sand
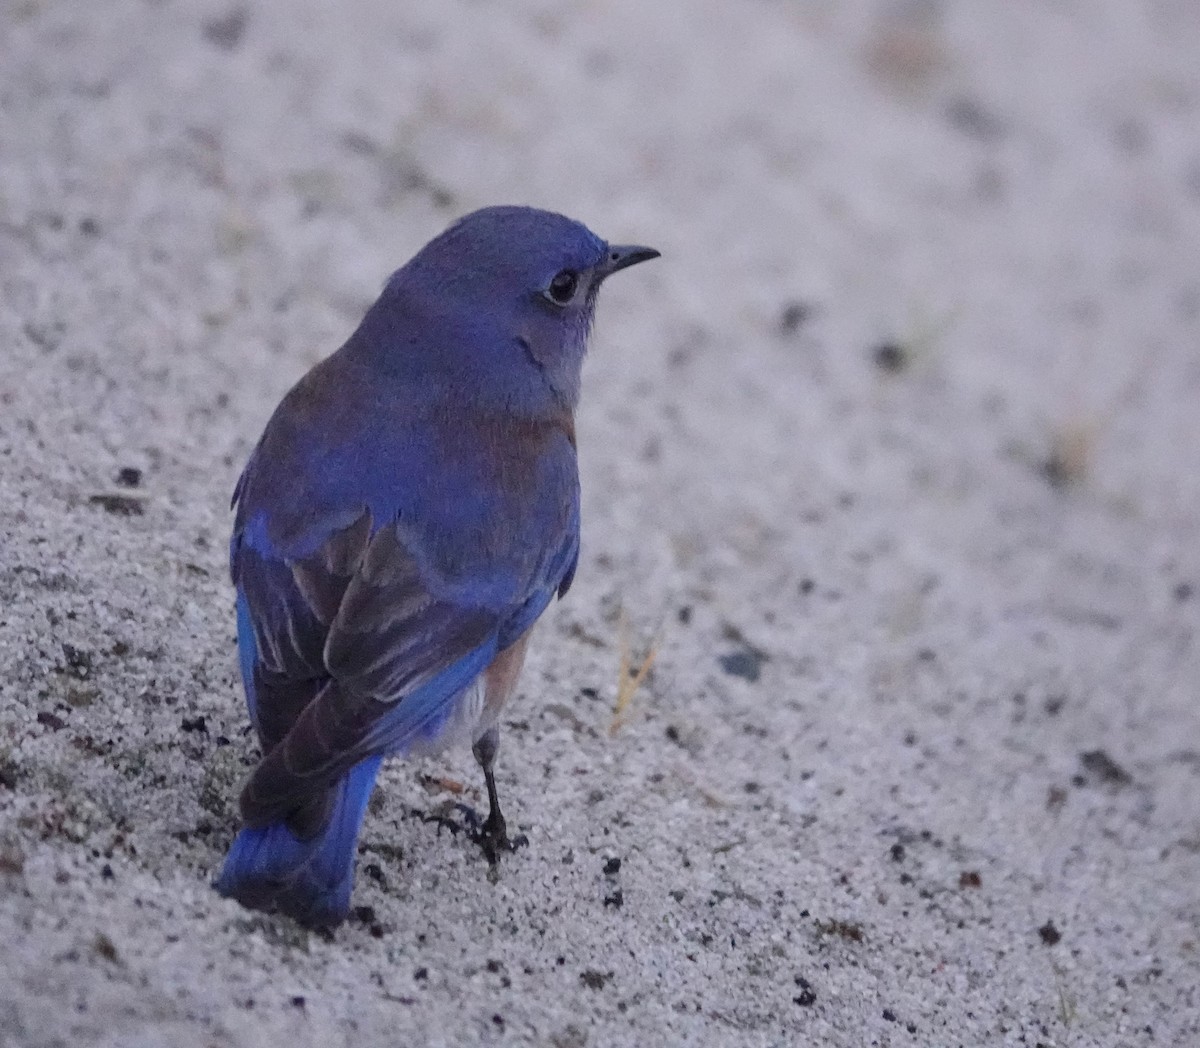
<point>960,802</point>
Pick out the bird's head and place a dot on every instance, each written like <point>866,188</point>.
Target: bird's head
<point>507,295</point>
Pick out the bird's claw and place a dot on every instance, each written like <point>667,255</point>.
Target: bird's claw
<point>492,838</point>
<point>490,834</point>
<point>443,818</point>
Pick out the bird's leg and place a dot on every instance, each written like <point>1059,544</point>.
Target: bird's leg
<point>492,837</point>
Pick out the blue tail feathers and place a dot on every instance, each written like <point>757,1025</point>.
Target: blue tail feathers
<point>270,868</point>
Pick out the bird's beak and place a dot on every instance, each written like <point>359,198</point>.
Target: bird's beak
<point>621,256</point>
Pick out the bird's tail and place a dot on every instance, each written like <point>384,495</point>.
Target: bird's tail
<point>271,868</point>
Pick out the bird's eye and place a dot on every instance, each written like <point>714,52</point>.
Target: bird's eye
<point>562,288</point>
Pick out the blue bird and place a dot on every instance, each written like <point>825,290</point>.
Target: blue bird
<point>409,512</point>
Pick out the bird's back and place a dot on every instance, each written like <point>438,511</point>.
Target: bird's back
<point>486,505</point>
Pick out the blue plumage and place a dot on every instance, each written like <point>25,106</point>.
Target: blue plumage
<point>309,879</point>
<point>409,512</point>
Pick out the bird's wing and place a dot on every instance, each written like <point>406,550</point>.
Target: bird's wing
<point>285,609</point>
<point>363,649</point>
<point>395,656</point>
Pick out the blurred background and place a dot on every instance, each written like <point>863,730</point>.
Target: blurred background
<point>891,463</point>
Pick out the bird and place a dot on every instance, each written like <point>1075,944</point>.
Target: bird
<point>409,512</point>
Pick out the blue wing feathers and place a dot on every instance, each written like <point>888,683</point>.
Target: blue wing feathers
<point>247,655</point>
<point>420,717</point>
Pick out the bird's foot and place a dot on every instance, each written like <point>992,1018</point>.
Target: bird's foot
<point>490,834</point>
<point>492,837</point>
<point>442,817</point>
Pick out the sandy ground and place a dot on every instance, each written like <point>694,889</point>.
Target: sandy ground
<point>894,456</point>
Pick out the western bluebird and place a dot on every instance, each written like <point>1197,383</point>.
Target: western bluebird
<point>410,510</point>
